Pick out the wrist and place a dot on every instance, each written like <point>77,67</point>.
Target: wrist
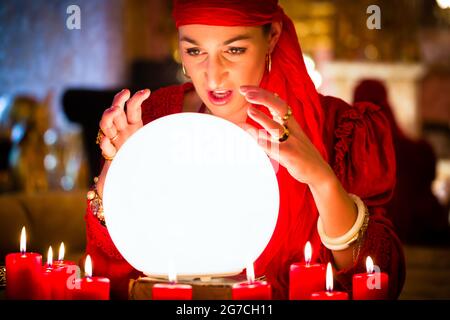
<point>324,183</point>
<point>101,179</point>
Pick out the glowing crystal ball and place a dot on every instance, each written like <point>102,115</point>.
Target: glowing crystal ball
<point>192,194</point>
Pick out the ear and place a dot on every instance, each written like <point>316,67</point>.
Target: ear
<point>274,36</point>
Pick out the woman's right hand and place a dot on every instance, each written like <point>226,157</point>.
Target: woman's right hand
<point>118,124</point>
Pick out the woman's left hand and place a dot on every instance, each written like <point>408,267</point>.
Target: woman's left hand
<point>297,154</point>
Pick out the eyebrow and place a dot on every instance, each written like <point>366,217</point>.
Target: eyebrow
<point>237,38</point>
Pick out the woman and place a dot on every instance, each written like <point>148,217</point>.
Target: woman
<point>246,66</point>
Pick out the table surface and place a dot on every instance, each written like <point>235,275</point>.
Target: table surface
<point>427,273</point>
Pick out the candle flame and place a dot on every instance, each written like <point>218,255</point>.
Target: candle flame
<point>369,264</point>
<point>329,278</point>
<point>88,266</point>
<point>62,251</point>
<point>23,240</point>
<point>50,256</point>
<point>172,276</point>
<point>308,252</point>
<point>250,273</point>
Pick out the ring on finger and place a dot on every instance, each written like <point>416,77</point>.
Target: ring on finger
<point>114,138</point>
<point>285,134</point>
<point>107,158</point>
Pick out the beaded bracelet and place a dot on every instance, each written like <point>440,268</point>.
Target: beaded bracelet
<point>353,235</point>
<point>2,276</point>
<point>96,203</point>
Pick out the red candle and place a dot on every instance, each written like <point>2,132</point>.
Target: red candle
<point>47,278</point>
<point>251,290</point>
<point>23,273</point>
<point>172,290</point>
<point>306,278</point>
<point>372,285</point>
<point>64,276</point>
<point>89,287</point>
<point>329,294</point>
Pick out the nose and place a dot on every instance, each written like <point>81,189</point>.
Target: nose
<point>215,72</point>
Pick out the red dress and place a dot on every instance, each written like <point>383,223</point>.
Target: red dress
<point>361,153</point>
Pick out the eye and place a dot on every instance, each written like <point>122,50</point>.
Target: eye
<point>236,50</point>
<point>193,51</point>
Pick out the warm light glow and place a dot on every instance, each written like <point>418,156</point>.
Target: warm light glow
<point>250,273</point>
<point>308,252</point>
<point>309,62</point>
<point>184,178</point>
<point>50,256</point>
<point>443,4</point>
<point>88,266</point>
<point>23,241</point>
<point>369,264</point>
<point>172,275</point>
<point>329,279</point>
<point>62,251</point>
<point>316,78</point>
<point>315,75</point>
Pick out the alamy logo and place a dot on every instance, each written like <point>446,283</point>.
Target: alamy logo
<point>374,282</point>
<point>73,21</point>
<point>374,20</point>
<point>75,274</point>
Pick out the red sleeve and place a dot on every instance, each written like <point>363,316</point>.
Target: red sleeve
<point>364,161</point>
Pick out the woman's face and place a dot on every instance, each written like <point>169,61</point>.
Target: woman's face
<point>221,59</point>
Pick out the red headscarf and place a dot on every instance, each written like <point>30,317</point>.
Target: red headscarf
<point>289,79</point>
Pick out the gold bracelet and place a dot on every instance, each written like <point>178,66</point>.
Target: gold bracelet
<point>2,276</point>
<point>361,236</point>
<point>96,203</point>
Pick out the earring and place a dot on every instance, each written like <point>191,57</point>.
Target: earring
<point>269,62</point>
<point>184,71</point>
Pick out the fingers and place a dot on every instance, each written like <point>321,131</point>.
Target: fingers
<point>108,148</point>
<point>274,128</point>
<point>107,122</point>
<point>277,107</point>
<point>264,141</point>
<point>114,119</point>
<point>120,120</point>
<point>134,111</point>
<point>120,98</point>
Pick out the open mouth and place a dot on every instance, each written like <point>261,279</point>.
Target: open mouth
<point>220,97</point>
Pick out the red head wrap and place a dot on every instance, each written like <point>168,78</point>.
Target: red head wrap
<point>290,80</point>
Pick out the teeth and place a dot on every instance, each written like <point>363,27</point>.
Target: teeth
<point>221,94</point>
